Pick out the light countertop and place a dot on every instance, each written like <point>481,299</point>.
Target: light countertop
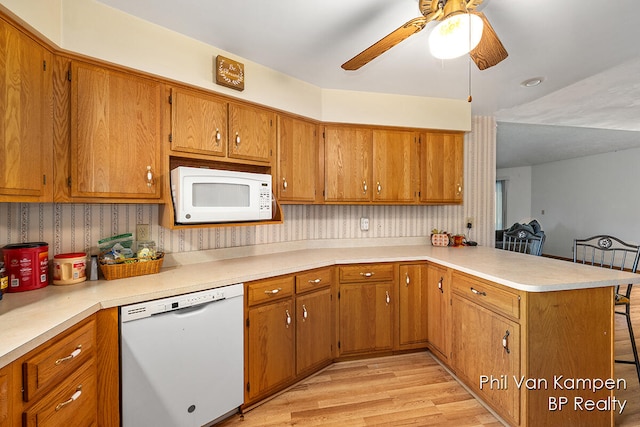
<point>28,319</point>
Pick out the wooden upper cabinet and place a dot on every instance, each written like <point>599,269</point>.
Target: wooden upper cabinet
<point>394,166</point>
<point>26,146</point>
<point>347,164</point>
<point>442,158</point>
<point>296,180</point>
<point>115,134</point>
<point>252,133</point>
<point>198,123</point>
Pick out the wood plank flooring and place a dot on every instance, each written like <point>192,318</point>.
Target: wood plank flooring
<point>407,390</point>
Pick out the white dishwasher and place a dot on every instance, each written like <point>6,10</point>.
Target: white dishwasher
<point>182,359</point>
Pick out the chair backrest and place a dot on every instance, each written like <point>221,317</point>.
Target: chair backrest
<point>606,251</point>
<point>523,241</point>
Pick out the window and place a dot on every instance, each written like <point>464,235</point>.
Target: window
<point>501,203</point>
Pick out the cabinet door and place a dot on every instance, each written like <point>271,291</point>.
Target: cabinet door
<point>252,133</point>
<point>297,160</point>
<point>486,347</point>
<point>198,123</point>
<point>394,165</point>
<point>439,293</point>
<point>365,317</point>
<point>5,407</point>
<point>442,168</point>
<point>26,147</point>
<point>412,306</point>
<point>270,347</point>
<point>115,134</point>
<point>313,330</point>
<point>347,164</point>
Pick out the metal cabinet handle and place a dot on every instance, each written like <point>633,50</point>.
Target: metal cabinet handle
<point>73,398</point>
<point>364,187</point>
<point>288,321</point>
<point>237,139</point>
<point>73,354</point>
<point>440,285</point>
<point>218,136</point>
<point>388,297</point>
<point>407,279</point>
<point>505,342</point>
<point>315,282</point>
<point>284,183</point>
<point>272,291</point>
<point>477,292</point>
<point>149,177</point>
<point>305,314</point>
<point>458,189</point>
<point>367,274</point>
<point>379,187</point>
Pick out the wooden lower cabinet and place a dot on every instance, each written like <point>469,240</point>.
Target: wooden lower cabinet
<point>438,289</point>
<point>71,380</point>
<point>366,301</point>
<point>412,306</point>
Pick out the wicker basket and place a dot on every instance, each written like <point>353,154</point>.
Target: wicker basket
<point>139,268</point>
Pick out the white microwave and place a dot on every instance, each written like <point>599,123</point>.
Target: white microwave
<point>203,195</point>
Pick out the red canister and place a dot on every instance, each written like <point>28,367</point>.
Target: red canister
<point>27,265</point>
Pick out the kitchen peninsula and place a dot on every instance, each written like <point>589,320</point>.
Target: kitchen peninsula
<point>507,318</point>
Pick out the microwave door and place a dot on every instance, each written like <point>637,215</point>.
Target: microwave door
<point>220,200</point>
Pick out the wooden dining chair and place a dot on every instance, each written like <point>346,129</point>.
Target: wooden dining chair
<point>523,241</point>
<point>611,252</point>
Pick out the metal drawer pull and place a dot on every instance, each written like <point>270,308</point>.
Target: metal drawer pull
<point>73,398</point>
<point>477,292</point>
<point>505,342</point>
<point>288,318</point>
<point>305,314</point>
<point>388,297</point>
<point>407,279</point>
<point>316,281</point>
<point>73,354</point>
<point>367,274</point>
<point>272,291</point>
<point>440,285</point>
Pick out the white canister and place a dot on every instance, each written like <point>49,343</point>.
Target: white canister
<point>69,268</point>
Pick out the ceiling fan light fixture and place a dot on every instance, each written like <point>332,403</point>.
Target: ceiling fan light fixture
<point>455,36</point>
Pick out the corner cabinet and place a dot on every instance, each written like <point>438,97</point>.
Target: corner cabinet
<point>297,178</point>
<point>439,310</point>
<point>26,149</point>
<point>442,173</point>
<point>115,135</point>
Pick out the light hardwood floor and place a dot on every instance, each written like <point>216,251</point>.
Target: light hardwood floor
<point>409,389</point>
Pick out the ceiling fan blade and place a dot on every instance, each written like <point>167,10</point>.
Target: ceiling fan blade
<point>490,50</point>
<point>386,43</point>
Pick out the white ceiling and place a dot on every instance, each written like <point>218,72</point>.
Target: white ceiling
<point>586,52</point>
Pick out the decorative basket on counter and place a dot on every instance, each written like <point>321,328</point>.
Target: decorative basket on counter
<point>440,239</point>
<point>131,268</point>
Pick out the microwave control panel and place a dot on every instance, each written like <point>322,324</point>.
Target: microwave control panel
<point>265,198</point>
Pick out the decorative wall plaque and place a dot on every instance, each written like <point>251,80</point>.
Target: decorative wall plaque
<point>229,73</point>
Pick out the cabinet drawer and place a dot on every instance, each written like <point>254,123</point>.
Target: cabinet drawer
<point>367,273</point>
<point>492,297</point>
<point>72,403</point>
<point>269,290</point>
<point>59,360</point>
<point>315,279</point>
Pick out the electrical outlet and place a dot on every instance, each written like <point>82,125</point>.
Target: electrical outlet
<point>469,222</point>
<point>364,224</point>
<point>143,234</point>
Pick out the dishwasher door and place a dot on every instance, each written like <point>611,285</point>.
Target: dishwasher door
<point>182,366</point>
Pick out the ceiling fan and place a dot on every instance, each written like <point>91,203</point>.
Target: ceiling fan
<point>488,52</point>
